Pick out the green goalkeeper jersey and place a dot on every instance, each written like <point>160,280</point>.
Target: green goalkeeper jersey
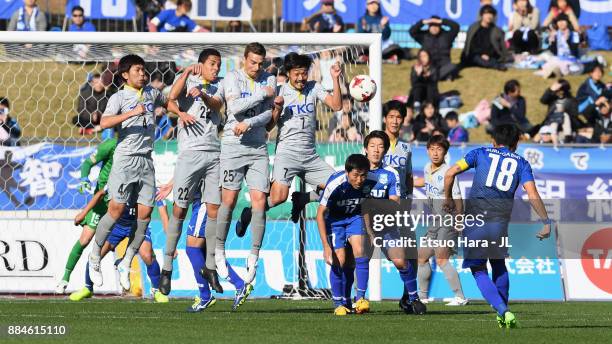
<point>103,154</point>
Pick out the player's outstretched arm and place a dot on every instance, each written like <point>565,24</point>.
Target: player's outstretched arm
<point>90,205</point>
<point>235,103</point>
<point>449,182</point>
<point>177,88</point>
<point>327,252</point>
<point>536,202</point>
<point>334,100</point>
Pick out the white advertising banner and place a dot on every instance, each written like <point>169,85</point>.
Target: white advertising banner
<point>33,254</point>
<point>586,250</point>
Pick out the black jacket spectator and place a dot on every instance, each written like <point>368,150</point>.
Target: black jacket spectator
<point>510,108</point>
<point>485,45</point>
<point>91,104</point>
<point>10,132</point>
<point>562,108</point>
<point>424,81</point>
<point>563,35</point>
<point>438,42</point>
<point>326,20</point>
<point>427,122</point>
<point>592,88</point>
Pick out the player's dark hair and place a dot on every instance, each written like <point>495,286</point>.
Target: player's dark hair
<point>487,9</point>
<point>357,162</point>
<point>126,63</point>
<point>451,116</point>
<point>507,135</point>
<point>438,140</point>
<point>255,48</point>
<point>511,86</point>
<point>394,105</point>
<point>598,66</point>
<point>77,8</point>
<point>184,2</point>
<point>208,52</point>
<point>4,101</point>
<point>377,134</point>
<point>295,60</point>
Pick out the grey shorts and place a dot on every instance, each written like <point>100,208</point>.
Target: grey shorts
<point>196,169</point>
<point>444,234</point>
<point>312,169</point>
<point>132,177</point>
<point>250,164</point>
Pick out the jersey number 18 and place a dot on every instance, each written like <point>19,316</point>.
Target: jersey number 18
<point>505,177</point>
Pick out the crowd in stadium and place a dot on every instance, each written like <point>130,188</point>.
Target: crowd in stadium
<point>556,47</point>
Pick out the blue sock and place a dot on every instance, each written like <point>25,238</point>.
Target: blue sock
<point>234,278</point>
<point>337,285</point>
<point>489,291</point>
<point>500,278</point>
<point>362,265</point>
<point>196,257</point>
<point>153,273</point>
<point>349,279</point>
<point>408,276</point>
<point>88,282</point>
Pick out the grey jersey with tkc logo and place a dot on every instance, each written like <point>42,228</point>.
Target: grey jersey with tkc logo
<point>297,125</point>
<point>400,158</point>
<point>250,104</point>
<point>136,134</point>
<point>204,135</point>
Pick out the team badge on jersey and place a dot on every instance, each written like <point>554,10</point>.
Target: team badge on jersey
<point>383,179</point>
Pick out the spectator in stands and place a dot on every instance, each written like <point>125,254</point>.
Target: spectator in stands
<point>438,42</point>
<point>484,44</point>
<point>90,106</point>
<point>175,20</point>
<point>326,20</point>
<point>562,110</point>
<point>510,108</point>
<point>354,119</point>
<point>456,133</point>
<point>346,132</point>
<point>563,41</point>
<point>603,124</point>
<point>561,7</point>
<point>426,122</point>
<point>10,132</point>
<point>374,22</point>
<point>78,21</point>
<point>424,81</point>
<point>523,26</point>
<point>234,26</point>
<point>592,88</point>
<point>28,18</point>
<point>157,81</point>
<point>544,135</point>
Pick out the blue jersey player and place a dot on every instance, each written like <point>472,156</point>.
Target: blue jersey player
<point>387,186</point>
<point>122,229</point>
<point>499,172</point>
<point>340,221</point>
<point>196,252</point>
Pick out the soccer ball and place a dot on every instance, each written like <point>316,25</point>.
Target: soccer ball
<point>362,88</point>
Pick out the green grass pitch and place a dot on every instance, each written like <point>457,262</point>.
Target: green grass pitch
<point>279,321</point>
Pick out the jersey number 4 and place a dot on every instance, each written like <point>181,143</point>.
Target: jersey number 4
<point>505,177</point>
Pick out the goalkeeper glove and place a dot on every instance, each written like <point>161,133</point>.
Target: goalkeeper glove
<point>84,186</point>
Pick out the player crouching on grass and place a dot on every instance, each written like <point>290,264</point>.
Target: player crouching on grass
<point>434,172</point>
<point>340,221</point>
<point>121,230</point>
<point>499,173</point>
<point>387,187</point>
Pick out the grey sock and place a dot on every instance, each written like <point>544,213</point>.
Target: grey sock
<point>453,279</point>
<point>313,196</point>
<point>258,227</point>
<point>223,222</point>
<point>136,241</point>
<point>102,232</point>
<point>211,240</point>
<point>175,227</point>
<point>423,276</point>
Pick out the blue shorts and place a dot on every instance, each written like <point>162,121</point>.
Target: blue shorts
<point>197,223</point>
<point>121,232</point>
<point>338,231</point>
<point>492,233</point>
